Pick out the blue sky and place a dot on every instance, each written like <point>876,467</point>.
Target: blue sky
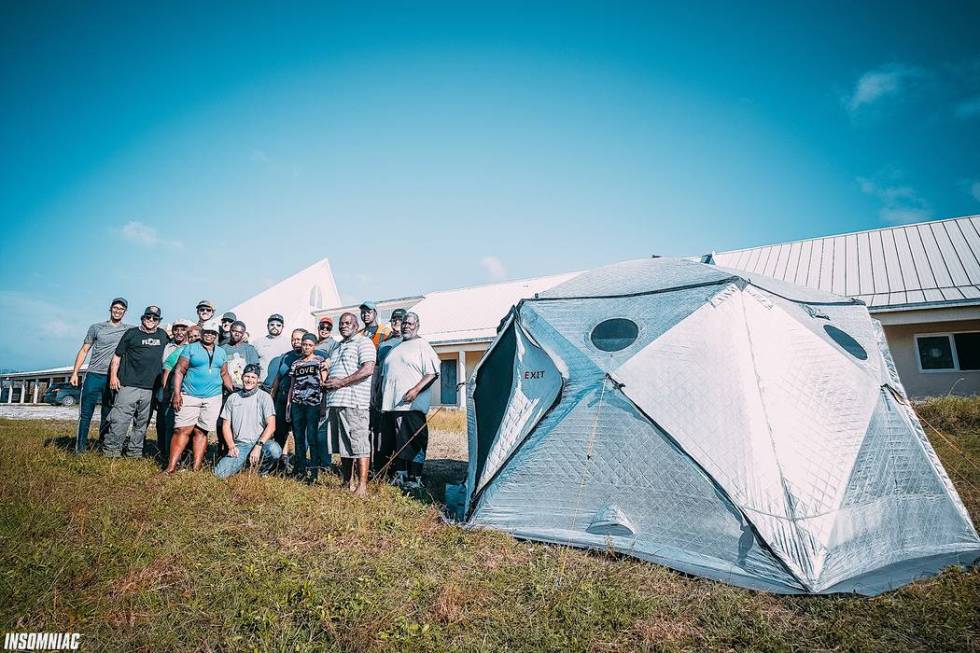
<point>209,150</point>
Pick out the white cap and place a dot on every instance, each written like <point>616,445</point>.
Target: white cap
<point>211,325</point>
<point>184,323</point>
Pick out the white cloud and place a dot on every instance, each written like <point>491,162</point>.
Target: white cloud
<point>143,234</point>
<point>494,267</point>
<point>900,204</point>
<point>883,82</point>
<point>969,108</point>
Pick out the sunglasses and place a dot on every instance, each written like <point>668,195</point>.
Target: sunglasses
<point>326,327</point>
<point>151,317</point>
<point>205,309</point>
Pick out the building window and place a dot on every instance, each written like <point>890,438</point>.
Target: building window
<point>948,352</point>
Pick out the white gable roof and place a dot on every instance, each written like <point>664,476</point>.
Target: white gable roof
<point>294,298</point>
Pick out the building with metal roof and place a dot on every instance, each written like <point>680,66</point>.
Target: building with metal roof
<point>921,281</point>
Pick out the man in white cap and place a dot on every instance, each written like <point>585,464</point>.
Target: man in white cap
<point>101,340</point>
<point>200,375</point>
<point>133,372</point>
<point>205,311</point>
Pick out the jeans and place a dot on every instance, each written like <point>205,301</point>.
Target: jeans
<point>282,426</point>
<point>306,420</point>
<point>94,389</point>
<point>233,464</point>
<point>132,406</point>
<point>165,427</point>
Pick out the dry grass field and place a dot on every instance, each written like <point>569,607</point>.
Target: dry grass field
<point>135,561</point>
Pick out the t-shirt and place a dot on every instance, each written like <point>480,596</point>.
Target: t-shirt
<point>203,376</point>
<point>142,357</point>
<point>346,358</point>
<point>378,376</point>
<point>325,347</point>
<point>248,414</point>
<point>284,363</point>
<point>376,334</point>
<point>305,375</point>
<point>168,349</point>
<point>403,368</point>
<point>239,356</point>
<point>171,360</point>
<point>268,348</point>
<point>102,338</point>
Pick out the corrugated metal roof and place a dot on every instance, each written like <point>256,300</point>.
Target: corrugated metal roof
<point>911,266</point>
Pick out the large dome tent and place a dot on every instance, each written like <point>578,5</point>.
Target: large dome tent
<point>719,423</point>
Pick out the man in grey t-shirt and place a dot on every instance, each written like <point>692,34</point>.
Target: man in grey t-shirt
<point>249,422</point>
<point>100,342</point>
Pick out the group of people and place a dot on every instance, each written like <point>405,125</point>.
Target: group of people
<point>363,395</point>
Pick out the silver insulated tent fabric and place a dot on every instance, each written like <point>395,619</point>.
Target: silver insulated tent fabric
<point>722,424</point>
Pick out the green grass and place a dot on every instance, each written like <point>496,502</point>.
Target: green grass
<point>134,561</point>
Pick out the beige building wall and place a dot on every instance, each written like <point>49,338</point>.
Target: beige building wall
<point>901,341</point>
<point>471,360</point>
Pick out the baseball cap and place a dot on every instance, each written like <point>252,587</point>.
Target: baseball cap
<point>229,316</point>
<point>252,368</point>
<point>152,311</point>
<point>182,322</point>
<point>325,318</point>
<point>210,325</point>
<point>310,337</point>
<point>119,300</point>
<point>275,317</point>
<point>399,313</point>
<point>369,304</point>
<point>206,303</point>
<point>238,323</point>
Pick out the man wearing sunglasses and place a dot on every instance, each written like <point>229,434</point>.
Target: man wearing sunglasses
<point>205,311</point>
<point>132,374</point>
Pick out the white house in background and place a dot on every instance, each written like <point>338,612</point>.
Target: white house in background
<point>459,324</point>
<point>295,298</point>
<point>921,281</point>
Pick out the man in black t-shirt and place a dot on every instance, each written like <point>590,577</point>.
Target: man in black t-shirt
<point>132,373</point>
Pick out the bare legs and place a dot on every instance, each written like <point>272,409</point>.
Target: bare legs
<point>356,483</point>
<point>179,442</point>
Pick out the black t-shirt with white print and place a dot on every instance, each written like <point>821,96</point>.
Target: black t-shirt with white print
<point>142,357</point>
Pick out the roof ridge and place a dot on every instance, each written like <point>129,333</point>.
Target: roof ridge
<point>850,233</point>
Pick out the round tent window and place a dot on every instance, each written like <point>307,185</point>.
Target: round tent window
<point>615,334</point>
<point>846,342</point>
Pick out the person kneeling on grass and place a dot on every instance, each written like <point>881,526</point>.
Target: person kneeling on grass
<point>249,422</point>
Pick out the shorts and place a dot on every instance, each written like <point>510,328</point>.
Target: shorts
<point>199,412</point>
<point>348,431</point>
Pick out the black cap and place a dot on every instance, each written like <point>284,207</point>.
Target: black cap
<point>119,300</point>
<point>229,316</point>
<point>152,310</point>
<point>252,368</point>
<point>275,317</point>
<point>310,337</point>
<point>399,313</point>
<point>238,323</point>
